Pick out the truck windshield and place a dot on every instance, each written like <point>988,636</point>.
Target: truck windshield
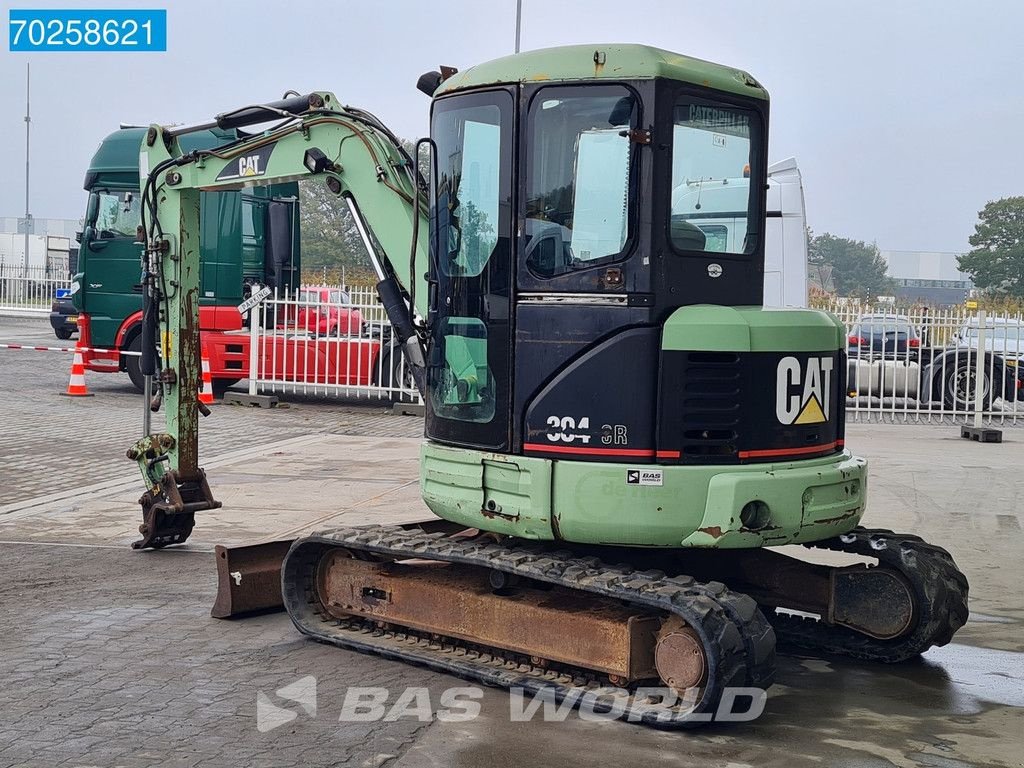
<point>578,177</point>
<point>117,214</point>
<point>714,207</point>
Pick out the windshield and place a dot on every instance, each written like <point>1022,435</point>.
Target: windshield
<point>578,176</point>
<point>999,332</point>
<point>117,214</point>
<point>714,208</point>
<point>468,366</point>
<point>470,180</point>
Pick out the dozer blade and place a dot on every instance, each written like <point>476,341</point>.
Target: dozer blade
<point>249,579</point>
<point>522,615</point>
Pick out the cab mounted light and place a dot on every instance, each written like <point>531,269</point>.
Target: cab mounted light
<point>316,161</point>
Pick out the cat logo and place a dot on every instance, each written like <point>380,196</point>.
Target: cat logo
<point>802,390</point>
<point>247,166</point>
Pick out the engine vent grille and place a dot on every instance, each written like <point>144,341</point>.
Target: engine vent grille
<point>711,392</point>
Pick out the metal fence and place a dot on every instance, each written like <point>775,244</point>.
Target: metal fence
<point>915,365</point>
<point>327,341</point>
<point>29,292</point>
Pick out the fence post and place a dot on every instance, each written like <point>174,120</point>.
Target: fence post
<point>255,321</point>
<point>979,390</point>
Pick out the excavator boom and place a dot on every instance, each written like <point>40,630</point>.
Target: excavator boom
<point>359,160</point>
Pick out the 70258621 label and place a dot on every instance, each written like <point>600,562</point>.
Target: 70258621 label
<point>73,29</point>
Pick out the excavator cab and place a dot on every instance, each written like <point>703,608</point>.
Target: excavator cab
<point>596,275</point>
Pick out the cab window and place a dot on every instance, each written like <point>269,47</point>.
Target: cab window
<point>713,204</point>
<point>579,172</point>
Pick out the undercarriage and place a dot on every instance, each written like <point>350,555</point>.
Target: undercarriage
<point>662,629</point>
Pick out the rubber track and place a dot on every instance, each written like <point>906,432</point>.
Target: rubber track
<point>737,639</point>
<point>940,593</point>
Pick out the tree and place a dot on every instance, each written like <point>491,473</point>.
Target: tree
<point>857,269</point>
<point>329,235</point>
<point>996,262</point>
<point>330,241</point>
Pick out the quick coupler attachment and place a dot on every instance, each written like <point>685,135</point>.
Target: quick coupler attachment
<point>172,499</point>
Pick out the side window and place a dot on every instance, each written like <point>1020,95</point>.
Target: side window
<point>716,237</point>
<point>714,147</point>
<point>250,210</point>
<point>578,176</point>
<point>118,214</point>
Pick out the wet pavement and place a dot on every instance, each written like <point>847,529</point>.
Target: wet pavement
<point>109,657</point>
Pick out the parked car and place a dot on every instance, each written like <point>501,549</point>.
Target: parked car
<point>886,337</point>
<point>325,311</point>
<point>63,315</point>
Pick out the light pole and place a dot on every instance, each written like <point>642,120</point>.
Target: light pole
<point>519,21</point>
<point>28,122</point>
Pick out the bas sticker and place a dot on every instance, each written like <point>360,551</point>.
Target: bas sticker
<point>802,391</point>
<point>645,477</point>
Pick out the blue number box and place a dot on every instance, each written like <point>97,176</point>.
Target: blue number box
<point>76,29</point>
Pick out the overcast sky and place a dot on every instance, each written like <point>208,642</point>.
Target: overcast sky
<point>905,117</point>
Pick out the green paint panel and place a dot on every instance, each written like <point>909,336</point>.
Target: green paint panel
<point>495,492</point>
<point>621,62</point>
<point>695,506</point>
<point>713,328</point>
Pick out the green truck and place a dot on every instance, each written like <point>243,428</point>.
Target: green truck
<point>247,237</point>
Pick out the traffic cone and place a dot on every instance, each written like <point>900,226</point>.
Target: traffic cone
<point>76,385</point>
<point>206,392</point>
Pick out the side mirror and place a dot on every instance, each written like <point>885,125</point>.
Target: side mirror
<point>92,208</point>
<point>92,242</point>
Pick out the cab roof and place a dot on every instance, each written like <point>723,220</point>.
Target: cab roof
<point>603,62</point>
<point>118,153</point>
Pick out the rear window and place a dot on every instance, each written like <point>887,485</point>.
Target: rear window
<point>884,327</point>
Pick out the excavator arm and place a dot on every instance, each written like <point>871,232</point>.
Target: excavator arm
<point>360,161</point>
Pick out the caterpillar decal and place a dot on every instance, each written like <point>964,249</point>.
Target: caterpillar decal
<point>802,390</point>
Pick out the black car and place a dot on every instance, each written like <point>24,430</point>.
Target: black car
<point>63,316</point>
<point>883,337</point>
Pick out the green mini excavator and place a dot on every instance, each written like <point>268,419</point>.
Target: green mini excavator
<point>617,432</point>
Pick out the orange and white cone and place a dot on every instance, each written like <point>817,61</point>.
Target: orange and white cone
<point>76,385</point>
<point>206,392</point>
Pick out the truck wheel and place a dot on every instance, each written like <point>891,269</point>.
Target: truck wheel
<point>62,333</point>
<point>133,363</point>
<point>220,386</point>
<point>958,389</point>
<point>395,372</point>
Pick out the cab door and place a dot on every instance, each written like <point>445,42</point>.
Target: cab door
<point>471,271</point>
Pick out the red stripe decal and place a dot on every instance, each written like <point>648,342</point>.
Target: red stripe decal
<point>668,454</point>
<point>789,451</point>
<point>541,447</point>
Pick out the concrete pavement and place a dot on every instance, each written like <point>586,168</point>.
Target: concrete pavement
<point>109,657</point>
